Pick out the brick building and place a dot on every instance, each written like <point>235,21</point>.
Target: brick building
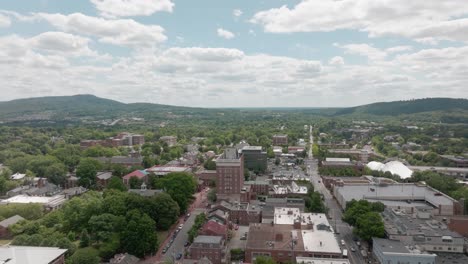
<point>211,247</point>
<point>280,140</point>
<point>230,173</point>
<point>213,228</point>
<point>255,158</point>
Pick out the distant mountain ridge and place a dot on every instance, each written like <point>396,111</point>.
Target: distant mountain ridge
<point>407,107</point>
<point>79,106</point>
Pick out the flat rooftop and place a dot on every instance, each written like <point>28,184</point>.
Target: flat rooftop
<point>320,241</point>
<point>30,255</point>
<point>395,192</point>
<point>31,199</point>
<point>400,223</point>
<point>305,260</point>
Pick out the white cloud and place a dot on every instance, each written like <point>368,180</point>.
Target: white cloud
<point>366,50</point>
<point>123,8</point>
<point>4,21</point>
<point>225,33</point>
<point>237,12</point>
<point>64,43</point>
<point>417,19</point>
<point>398,49</point>
<point>337,61</point>
<point>122,32</point>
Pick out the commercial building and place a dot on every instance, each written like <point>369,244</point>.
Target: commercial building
<point>285,242</point>
<point>308,260</point>
<point>388,251</point>
<point>211,247</point>
<point>230,173</point>
<point>255,158</point>
<point>338,162</point>
<point>421,230</point>
<point>32,255</point>
<point>406,196</point>
<point>280,140</point>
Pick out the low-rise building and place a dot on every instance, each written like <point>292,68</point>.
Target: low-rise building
<point>127,161</point>
<point>4,231</point>
<point>49,203</point>
<point>103,178</point>
<point>421,230</point>
<point>139,174</point>
<point>169,140</point>
<point>308,260</point>
<point>213,228</point>
<point>32,255</point>
<point>163,170</point>
<point>398,195</point>
<point>280,140</point>
<point>211,247</point>
<point>388,251</point>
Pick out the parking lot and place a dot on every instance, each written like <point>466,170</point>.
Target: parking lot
<point>236,241</point>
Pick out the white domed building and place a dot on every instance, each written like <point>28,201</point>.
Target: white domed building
<point>394,167</point>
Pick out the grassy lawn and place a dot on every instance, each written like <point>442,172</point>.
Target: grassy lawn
<point>4,242</point>
<point>162,235</point>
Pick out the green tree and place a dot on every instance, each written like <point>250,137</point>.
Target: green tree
<point>116,184</point>
<point>212,195</point>
<point>135,182</point>
<point>86,172</point>
<point>370,225</point>
<point>167,210</point>
<point>210,164</point>
<point>103,226</point>
<point>139,236</point>
<point>180,186</point>
<point>85,256</point>
<point>84,238</point>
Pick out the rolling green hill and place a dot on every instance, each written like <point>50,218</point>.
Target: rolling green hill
<point>90,107</point>
<point>407,107</point>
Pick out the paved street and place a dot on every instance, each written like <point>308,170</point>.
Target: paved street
<point>343,230</point>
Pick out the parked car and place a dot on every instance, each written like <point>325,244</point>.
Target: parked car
<point>180,226</point>
<point>179,256</point>
<point>358,244</point>
<point>186,244</point>
<point>342,242</point>
<point>353,249</point>
<point>236,227</point>
<point>164,250</point>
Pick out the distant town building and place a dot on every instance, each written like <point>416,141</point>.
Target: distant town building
<point>393,251</point>
<point>122,139</point>
<point>49,203</point>
<point>460,161</point>
<point>211,247</point>
<point>309,260</point>
<point>230,173</point>
<point>127,161</point>
<point>163,170</point>
<point>255,158</point>
<point>280,140</point>
<point>169,140</point>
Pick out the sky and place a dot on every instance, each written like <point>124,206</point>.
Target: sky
<point>243,53</point>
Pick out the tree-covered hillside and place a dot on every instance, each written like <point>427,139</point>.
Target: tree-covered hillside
<point>408,107</point>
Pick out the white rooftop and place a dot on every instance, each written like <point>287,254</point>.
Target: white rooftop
<point>395,167</point>
<point>306,260</point>
<point>337,160</point>
<point>162,170</point>
<point>32,199</point>
<point>30,255</point>
<point>17,176</point>
<point>320,241</point>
